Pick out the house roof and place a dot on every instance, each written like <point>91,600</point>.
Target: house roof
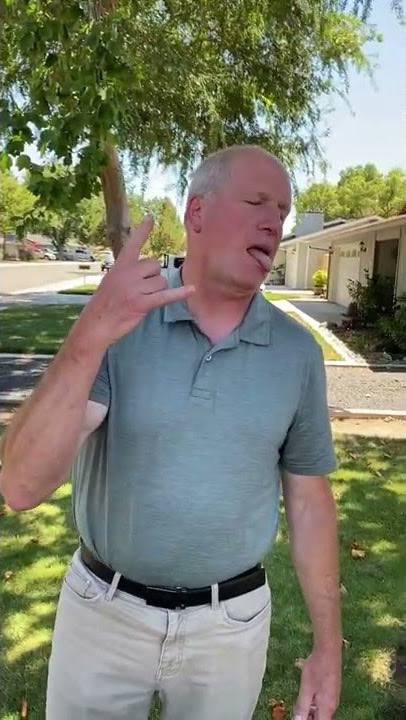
<point>351,227</point>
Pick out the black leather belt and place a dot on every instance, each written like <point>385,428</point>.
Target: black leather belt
<point>179,597</point>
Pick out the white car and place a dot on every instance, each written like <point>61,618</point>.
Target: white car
<point>80,254</point>
<point>49,255</point>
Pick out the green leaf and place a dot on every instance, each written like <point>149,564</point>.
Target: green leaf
<point>5,161</point>
<point>24,162</point>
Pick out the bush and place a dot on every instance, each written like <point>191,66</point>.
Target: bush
<point>320,279</point>
<point>371,300</point>
<point>392,331</point>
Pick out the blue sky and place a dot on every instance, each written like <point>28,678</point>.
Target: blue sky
<point>371,130</point>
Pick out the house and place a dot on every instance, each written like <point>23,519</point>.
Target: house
<point>346,249</point>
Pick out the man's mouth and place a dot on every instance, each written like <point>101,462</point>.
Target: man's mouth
<point>261,254</point>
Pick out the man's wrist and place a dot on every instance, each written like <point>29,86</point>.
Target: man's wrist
<point>328,645</point>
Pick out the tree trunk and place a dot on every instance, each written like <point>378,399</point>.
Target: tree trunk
<point>117,212</point>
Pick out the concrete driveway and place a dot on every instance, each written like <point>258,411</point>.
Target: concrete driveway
<point>323,311</point>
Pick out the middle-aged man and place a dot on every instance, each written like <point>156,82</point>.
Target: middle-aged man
<point>189,403</point>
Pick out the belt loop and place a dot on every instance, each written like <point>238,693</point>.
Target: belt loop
<point>113,587</point>
<point>215,597</point>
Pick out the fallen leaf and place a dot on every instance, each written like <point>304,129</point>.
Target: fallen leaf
<point>357,552</point>
<point>299,662</point>
<point>8,575</point>
<point>24,710</point>
<point>343,589</point>
<point>278,710</point>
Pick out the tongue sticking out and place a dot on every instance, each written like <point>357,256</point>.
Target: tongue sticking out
<point>261,257</point>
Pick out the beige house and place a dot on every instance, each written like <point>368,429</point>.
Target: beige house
<point>347,249</point>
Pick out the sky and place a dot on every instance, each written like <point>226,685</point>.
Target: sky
<point>372,129</point>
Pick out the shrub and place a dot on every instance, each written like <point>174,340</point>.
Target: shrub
<point>320,279</point>
<point>371,300</point>
<point>392,331</point>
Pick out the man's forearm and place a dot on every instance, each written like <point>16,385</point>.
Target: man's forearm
<point>41,443</point>
<point>314,548</point>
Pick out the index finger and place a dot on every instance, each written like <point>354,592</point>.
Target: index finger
<point>138,237</point>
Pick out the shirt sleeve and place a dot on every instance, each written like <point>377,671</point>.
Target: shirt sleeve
<point>100,391</point>
<point>308,448</point>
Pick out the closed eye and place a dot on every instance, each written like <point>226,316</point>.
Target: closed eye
<point>253,202</point>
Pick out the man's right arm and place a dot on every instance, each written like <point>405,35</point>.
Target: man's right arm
<point>43,439</point>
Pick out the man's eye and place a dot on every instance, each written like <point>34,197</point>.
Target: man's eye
<point>253,202</point>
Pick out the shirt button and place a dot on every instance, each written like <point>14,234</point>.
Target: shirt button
<point>208,358</point>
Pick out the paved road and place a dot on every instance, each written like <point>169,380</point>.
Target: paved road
<point>348,387</point>
<point>15,277</point>
<point>363,387</point>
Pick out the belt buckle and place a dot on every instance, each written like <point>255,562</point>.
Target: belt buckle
<point>154,594</point>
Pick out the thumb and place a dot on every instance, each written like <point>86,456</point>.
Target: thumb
<point>168,296</point>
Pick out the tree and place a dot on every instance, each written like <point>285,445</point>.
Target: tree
<point>85,81</point>
<point>92,221</point>
<point>60,225</point>
<point>168,235</point>
<point>319,197</point>
<point>360,191</point>
<point>16,203</point>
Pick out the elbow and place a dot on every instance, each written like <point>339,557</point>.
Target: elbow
<point>16,497</point>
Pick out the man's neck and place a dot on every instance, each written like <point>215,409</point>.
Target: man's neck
<point>216,311</point>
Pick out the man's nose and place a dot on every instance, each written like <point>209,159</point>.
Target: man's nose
<point>272,224</point>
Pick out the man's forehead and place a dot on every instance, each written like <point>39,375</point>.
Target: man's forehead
<point>262,180</point>
<point>258,167</point>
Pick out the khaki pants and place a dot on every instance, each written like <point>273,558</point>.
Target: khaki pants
<point>111,652</point>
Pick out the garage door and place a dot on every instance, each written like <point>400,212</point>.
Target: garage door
<point>347,269</point>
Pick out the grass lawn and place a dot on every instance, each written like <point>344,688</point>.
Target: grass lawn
<point>42,329</point>
<point>271,296</point>
<point>36,328</point>
<point>36,547</point>
<point>81,290</point>
<point>328,351</point>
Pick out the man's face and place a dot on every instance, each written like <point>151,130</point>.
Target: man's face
<point>241,224</point>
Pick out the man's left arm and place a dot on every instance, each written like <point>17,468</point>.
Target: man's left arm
<point>312,522</point>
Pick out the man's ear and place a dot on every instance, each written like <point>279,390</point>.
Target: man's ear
<point>193,214</point>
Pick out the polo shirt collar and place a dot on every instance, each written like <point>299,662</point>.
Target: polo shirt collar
<point>255,327</point>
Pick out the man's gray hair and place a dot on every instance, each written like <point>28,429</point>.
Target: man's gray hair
<point>215,170</point>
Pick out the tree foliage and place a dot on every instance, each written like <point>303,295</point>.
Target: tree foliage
<point>172,78</point>
<point>16,203</point>
<point>360,191</point>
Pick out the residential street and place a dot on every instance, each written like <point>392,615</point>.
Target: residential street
<point>348,387</point>
<point>19,276</point>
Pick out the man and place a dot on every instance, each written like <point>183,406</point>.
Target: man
<point>204,395</point>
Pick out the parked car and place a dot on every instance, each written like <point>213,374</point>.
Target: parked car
<point>107,262</point>
<point>49,255</point>
<point>81,254</point>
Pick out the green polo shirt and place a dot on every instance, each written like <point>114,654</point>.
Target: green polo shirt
<point>181,483</point>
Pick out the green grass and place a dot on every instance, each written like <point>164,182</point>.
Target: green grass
<point>272,296</point>
<point>328,351</point>
<point>36,328</point>
<point>36,547</point>
<point>80,290</point>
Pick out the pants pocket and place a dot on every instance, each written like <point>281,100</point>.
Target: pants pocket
<point>248,609</point>
<point>83,584</point>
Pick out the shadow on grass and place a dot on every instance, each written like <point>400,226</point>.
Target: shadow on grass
<point>37,546</point>
<point>36,328</point>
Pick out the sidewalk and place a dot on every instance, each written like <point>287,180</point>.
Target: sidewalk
<point>349,388</point>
